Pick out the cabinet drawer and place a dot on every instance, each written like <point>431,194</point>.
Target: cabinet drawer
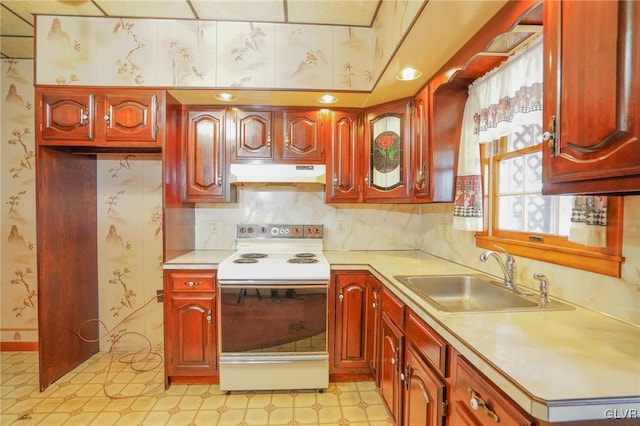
<point>427,342</point>
<point>392,306</point>
<point>190,281</point>
<point>472,389</point>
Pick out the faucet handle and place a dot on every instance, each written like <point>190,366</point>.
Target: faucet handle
<point>504,250</point>
<point>544,287</point>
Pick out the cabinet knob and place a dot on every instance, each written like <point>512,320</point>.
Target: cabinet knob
<point>286,141</point>
<point>209,316</point>
<point>84,118</point>
<point>269,140</point>
<point>476,402</point>
<point>192,283</point>
<point>219,179</point>
<point>107,117</point>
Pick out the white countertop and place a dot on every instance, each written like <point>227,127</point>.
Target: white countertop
<point>557,365</point>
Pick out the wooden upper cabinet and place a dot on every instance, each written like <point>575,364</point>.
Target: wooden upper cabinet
<point>302,136</point>
<point>592,97</point>
<point>387,141</point>
<point>254,134</point>
<point>84,117</point>
<point>420,150</point>
<point>67,116</point>
<point>344,182</point>
<point>130,117</point>
<point>205,156</point>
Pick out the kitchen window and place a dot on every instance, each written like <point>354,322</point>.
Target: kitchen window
<point>525,222</point>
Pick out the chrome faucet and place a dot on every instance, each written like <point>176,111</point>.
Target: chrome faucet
<point>508,268</point>
<point>544,287</point>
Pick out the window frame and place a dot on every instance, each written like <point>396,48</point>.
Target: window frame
<point>552,249</point>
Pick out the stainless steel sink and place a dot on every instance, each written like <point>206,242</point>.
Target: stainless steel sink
<point>472,293</point>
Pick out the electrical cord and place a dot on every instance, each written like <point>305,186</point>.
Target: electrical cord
<point>145,354</point>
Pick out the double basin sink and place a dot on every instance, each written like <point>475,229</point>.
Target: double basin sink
<point>473,293</point>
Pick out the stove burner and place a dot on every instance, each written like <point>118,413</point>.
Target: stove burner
<point>253,255</point>
<point>305,255</point>
<point>302,260</point>
<point>245,260</point>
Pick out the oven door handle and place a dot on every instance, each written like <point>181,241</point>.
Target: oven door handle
<point>231,358</point>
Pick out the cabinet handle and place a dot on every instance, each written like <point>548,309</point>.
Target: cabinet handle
<point>366,179</point>
<point>209,316</point>
<point>219,179</point>
<point>269,140</point>
<point>107,118</point>
<point>192,283</point>
<point>477,402</point>
<point>335,181</point>
<point>420,178</point>
<point>341,297</point>
<point>286,141</point>
<point>550,137</point>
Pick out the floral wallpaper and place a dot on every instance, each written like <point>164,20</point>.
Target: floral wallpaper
<point>174,53</point>
<point>129,189</point>
<point>18,285</point>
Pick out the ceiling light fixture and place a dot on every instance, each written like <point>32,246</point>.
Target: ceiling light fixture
<point>327,99</point>
<point>408,74</point>
<point>226,97</point>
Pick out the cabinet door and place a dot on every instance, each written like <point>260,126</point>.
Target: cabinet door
<point>387,171</point>
<point>302,136</point>
<point>354,344</point>
<point>130,117</point>
<point>420,158</point>
<point>390,360</point>
<point>66,116</point>
<point>592,96</point>
<point>254,133</point>
<point>344,180</point>
<point>425,392</point>
<point>191,335</point>
<point>205,156</point>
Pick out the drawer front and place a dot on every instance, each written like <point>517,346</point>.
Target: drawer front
<point>427,342</point>
<point>193,281</point>
<point>475,397</point>
<point>392,306</point>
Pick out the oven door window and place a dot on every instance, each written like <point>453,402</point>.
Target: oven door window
<point>274,319</point>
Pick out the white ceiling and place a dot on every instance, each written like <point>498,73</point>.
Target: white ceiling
<point>441,29</point>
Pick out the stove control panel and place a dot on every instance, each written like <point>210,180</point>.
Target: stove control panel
<point>279,231</point>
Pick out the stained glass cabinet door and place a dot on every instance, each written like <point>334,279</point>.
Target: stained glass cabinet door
<point>387,156</point>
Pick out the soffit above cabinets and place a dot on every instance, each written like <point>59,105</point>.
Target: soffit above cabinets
<point>439,31</point>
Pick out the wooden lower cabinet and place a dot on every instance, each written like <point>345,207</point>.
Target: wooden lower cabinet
<point>478,402</point>
<point>391,353</point>
<point>425,392</point>
<point>355,314</point>
<point>190,327</point>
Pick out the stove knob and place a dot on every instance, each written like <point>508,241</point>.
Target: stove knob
<point>243,229</point>
<point>274,231</point>
<point>263,230</point>
<point>250,230</point>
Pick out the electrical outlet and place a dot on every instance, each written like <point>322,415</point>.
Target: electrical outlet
<point>160,296</point>
<point>214,226</point>
<point>341,226</point>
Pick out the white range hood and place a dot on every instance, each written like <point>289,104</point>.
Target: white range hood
<point>277,173</point>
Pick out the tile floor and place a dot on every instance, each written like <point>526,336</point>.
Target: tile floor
<point>138,398</point>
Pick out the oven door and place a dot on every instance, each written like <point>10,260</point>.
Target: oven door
<point>273,335</point>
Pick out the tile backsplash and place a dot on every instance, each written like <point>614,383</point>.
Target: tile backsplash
<point>346,226</point>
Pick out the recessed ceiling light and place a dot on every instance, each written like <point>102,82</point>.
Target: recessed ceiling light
<point>408,74</point>
<point>225,97</point>
<point>327,99</point>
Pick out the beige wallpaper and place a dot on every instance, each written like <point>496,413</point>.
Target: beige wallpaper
<point>18,287</point>
<point>176,53</point>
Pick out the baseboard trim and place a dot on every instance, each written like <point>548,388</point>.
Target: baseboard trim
<point>18,346</point>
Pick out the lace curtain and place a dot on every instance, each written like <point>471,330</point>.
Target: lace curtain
<point>507,98</point>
